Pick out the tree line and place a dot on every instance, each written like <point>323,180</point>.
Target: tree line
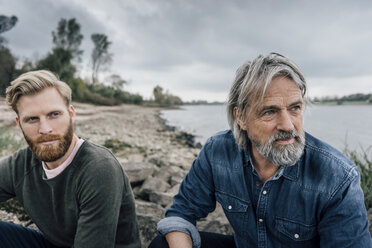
<point>63,60</point>
<point>358,97</point>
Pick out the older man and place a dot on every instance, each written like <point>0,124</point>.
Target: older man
<point>76,192</point>
<point>278,186</point>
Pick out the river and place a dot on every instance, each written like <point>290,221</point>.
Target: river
<point>340,126</point>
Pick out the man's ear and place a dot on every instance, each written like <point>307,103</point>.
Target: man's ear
<point>18,122</point>
<point>71,111</point>
<point>238,118</point>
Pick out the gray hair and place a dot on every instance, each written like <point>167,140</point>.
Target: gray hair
<point>33,82</point>
<point>250,84</point>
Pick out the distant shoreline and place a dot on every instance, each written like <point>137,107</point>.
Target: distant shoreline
<point>343,103</point>
<point>332,103</point>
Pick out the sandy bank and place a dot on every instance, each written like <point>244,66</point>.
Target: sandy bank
<point>139,130</point>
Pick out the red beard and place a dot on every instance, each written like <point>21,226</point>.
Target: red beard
<point>50,153</point>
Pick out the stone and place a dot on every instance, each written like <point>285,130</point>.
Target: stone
<point>138,158</point>
<point>174,190</point>
<point>147,224</point>
<point>177,177</point>
<point>137,191</point>
<point>149,208</point>
<point>164,199</point>
<point>138,172</point>
<point>162,173</point>
<point>153,184</point>
<point>10,217</point>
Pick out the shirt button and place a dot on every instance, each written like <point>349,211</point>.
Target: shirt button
<point>260,220</point>
<point>229,207</point>
<point>258,185</point>
<point>296,236</point>
<point>264,192</point>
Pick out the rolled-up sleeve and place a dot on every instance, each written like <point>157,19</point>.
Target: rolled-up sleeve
<point>171,224</point>
<point>195,199</point>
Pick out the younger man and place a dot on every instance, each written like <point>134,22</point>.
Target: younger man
<point>76,192</point>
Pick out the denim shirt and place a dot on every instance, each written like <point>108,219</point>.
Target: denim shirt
<point>318,202</point>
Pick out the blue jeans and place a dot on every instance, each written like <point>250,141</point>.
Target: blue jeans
<point>208,240</point>
<point>15,236</point>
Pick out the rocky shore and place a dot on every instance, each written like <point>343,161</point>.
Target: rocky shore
<point>156,158</point>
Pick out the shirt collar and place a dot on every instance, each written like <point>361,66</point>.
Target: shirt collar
<point>56,171</point>
<point>291,172</point>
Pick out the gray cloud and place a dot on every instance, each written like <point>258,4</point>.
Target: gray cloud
<point>37,19</point>
<point>199,44</point>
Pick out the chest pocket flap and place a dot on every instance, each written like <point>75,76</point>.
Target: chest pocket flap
<point>295,230</point>
<point>231,204</point>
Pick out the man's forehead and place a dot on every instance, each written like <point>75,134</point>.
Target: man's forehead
<point>282,88</point>
<point>49,95</point>
<point>286,99</point>
<point>280,100</point>
<point>45,101</point>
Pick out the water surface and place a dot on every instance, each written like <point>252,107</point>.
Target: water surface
<point>339,126</point>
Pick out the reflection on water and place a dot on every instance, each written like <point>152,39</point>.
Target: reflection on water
<point>336,125</point>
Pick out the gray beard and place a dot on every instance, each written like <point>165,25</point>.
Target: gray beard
<point>282,155</point>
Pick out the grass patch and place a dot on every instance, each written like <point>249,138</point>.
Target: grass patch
<point>8,145</point>
<point>364,164</point>
<point>116,145</point>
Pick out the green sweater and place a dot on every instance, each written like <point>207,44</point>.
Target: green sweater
<point>90,204</point>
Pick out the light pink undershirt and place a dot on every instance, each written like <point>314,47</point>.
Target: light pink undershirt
<point>56,171</point>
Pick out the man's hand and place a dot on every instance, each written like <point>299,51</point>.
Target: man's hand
<point>178,240</point>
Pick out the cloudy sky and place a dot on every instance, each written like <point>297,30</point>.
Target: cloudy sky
<point>193,47</point>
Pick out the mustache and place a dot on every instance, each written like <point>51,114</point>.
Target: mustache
<point>49,137</point>
<point>283,135</point>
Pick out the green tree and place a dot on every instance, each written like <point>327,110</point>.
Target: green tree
<point>165,99</point>
<point>59,62</point>
<point>68,37</point>
<point>7,69</point>
<point>117,82</point>
<point>6,23</point>
<point>7,60</point>
<point>100,55</point>
<point>171,100</point>
<point>27,65</point>
<point>158,94</point>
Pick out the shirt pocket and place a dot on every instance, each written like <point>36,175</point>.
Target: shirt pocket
<point>231,204</point>
<point>236,210</point>
<point>295,230</point>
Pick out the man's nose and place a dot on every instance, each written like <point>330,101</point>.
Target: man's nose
<point>45,127</point>
<point>285,122</point>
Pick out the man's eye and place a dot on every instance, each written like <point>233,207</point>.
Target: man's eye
<point>54,114</point>
<point>32,119</point>
<point>296,108</point>
<point>268,113</point>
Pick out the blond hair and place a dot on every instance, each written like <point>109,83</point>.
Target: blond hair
<point>33,82</point>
